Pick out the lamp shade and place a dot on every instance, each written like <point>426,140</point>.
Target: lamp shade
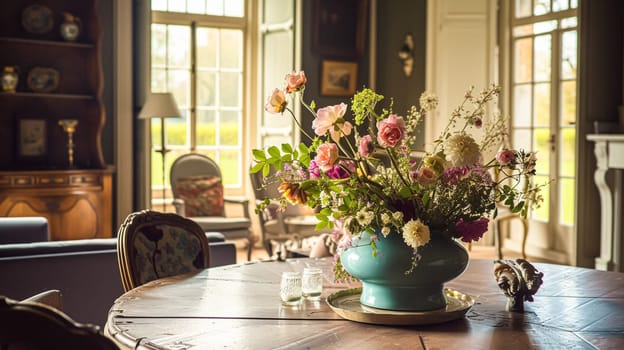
<point>160,105</point>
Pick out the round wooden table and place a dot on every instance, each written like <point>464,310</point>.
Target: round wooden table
<point>238,307</point>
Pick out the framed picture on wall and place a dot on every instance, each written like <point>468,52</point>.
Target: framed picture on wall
<point>338,78</point>
<point>339,27</point>
<point>32,140</point>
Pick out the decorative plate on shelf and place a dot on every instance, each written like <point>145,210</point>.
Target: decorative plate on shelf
<point>346,303</point>
<point>43,79</point>
<point>37,19</point>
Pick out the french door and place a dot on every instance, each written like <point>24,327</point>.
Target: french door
<point>543,88</point>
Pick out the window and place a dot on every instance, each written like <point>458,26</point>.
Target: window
<point>197,53</point>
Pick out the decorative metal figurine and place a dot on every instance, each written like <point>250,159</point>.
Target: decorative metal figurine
<point>69,126</point>
<point>519,281</point>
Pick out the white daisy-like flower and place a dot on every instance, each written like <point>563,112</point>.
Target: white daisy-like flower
<point>324,198</point>
<point>397,216</point>
<point>385,231</point>
<point>428,101</point>
<point>364,217</point>
<point>462,150</point>
<point>415,233</point>
<point>385,218</point>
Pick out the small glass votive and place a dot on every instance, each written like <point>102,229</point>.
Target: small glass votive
<point>312,283</point>
<point>290,288</point>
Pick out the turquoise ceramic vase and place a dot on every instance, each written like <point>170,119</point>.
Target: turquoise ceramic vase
<point>384,282</point>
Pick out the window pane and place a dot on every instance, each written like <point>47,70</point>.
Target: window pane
<point>230,91</point>
<point>159,5</point>
<point>568,55</point>
<point>231,49</point>
<point>523,57</point>
<point>542,213</point>
<point>535,28</point>
<point>542,58</point>
<point>559,5</point>
<point>523,8</point>
<point>214,7</point>
<point>568,103</point>
<point>229,161</point>
<point>541,108</point>
<point>541,7</point>
<point>176,129</point>
<point>177,5</point>
<point>207,43</point>
<point>206,88</point>
<point>179,85</point>
<point>159,80</point>
<point>234,8</point>
<point>522,139</point>
<point>542,149</point>
<point>567,152</point>
<point>569,22</point>
<point>228,128</point>
<point>179,50</point>
<point>573,4</point>
<point>522,105</point>
<point>205,134</point>
<point>568,198</point>
<point>196,6</point>
<point>159,44</point>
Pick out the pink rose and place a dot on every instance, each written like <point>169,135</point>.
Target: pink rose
<point>366,146</point>
<point>471,231</point>
<point>326,155</point>
<point>390,131</point>
<point>295,80</point>
<point>505,156</point>
<point>330,119</point>
<point>277,102</point>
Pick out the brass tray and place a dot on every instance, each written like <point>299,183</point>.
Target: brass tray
<point>346,303</point>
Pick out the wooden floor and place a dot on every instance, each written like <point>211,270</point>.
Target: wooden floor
<point>476,252</point>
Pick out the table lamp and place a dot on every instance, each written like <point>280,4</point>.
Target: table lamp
<point>161,105</point>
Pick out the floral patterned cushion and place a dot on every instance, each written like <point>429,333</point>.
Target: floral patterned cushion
<point>202,195</point>
<point>163,250</point>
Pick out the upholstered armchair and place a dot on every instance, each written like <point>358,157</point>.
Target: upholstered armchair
<point>196,183</point>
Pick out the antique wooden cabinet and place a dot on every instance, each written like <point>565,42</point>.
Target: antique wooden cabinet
<point>47,169</point>
<point>77,203</point>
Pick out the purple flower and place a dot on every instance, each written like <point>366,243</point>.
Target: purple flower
<point>314,170</point>
<point>455,174</point>
<point>342,170</point>
<point>471,231</point>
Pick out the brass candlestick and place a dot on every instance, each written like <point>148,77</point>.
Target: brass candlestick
<point>69,126</point>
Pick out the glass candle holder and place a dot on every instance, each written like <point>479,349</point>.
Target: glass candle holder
<point>290,288</point>
<point>312,283</point>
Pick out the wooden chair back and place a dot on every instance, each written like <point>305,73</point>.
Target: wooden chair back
<point>32,325</point>
<point>152,245</point>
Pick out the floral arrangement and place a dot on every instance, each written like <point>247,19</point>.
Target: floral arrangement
<point>360,171</point>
